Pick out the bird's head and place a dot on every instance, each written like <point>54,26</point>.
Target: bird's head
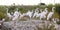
<point>53,8</point>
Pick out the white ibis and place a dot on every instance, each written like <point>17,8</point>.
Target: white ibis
<point>50,14</point>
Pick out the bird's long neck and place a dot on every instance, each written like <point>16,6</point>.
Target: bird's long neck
<point>7,11</point>
<point>53,9</point>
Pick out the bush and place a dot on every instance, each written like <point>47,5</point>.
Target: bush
<point>57,8</point>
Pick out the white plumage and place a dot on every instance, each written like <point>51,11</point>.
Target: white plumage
<point>50,14</point>
<point>36,13</point>
<point>29,13</point>
<point>16,15</point>
<point>43,14</point>
<point>8,14</point>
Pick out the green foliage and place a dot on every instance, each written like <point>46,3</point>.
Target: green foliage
<point>2,11</point>
<point>24,9</point>
<point>11,9</point>
<point>50,7</point>
<point>2,15</point>
<point>57,8</point>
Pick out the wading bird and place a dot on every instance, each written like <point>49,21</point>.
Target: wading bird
<point>50,14</point>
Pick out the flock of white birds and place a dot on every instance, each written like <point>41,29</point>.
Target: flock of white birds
<point>41,15</point>
<point>32,14</point>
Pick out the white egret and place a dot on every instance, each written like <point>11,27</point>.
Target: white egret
<point>29,13</point>
<point>50,14</point>
<point>16,15</point>
<point>36,13</point>
<point>46,11</point>
<point>43,14</point>
<point>8,14</point>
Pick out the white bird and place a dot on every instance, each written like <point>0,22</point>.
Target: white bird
<point>45,11</point>
<point>43,14</point>
<point>36,13</point>
<point>8,14</point>
<point>16,15</point>
<point>50,14</point>
<point>39,14</point>
<point>37,10</point>
<point>29,13</point>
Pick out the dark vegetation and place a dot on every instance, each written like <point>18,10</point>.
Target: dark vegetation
<point>24,9</point>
